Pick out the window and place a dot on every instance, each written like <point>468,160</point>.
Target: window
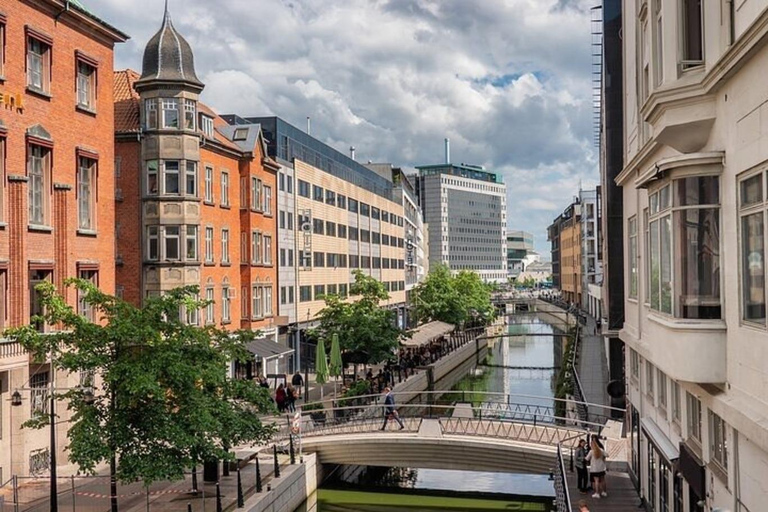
<point>317,193</point>
<point>652,476</point>
<point>649,376</point>
<point>675,401</point>
<point>225,304</point>
<point>281,217</point>
<point>661,380</point>
<point>2,151</point>
<point>153,243</point>
<point>289,218</point>
<point>84,308</point>
<point>257,304</point>
<point>38,168</point>
<point>305,293</point>
<point>353,233</point>
<point>191,241</point>
<point>664,472</point>
<point>267,200</point>
<point>2,49</point>
<point>281,183</point>
<point>365,235</point>
<point>318,226</point>
<point>341,201</point>
<point>375,213</point>
<point>303,188</point>
<point>267,301</point>
<point>319,291</point>
<point>86,200</point>
<point>289,184</point>
<point>658,68</point>
<point>330,228</point>
<point>693,409</point>
<point>693,44</point>
<point>171,177</point>
<point>341,231</point>
<point>209,318</point>
<point>319,259</point>
<point>240,134</point>
<point>170,113</point>
<point>39,388</point>
<point>633,258</point>
<point>86,85</point>
<point>255,194</point>
<point>150,114</point>
<point>171,243</point>
<point>687,212</point>
<point>365,210</point>
<point>330,197</point>
<point>353,205</point>
<point>225,246</point>
<point>752,214</point>
<point>384,216</point>
<point>38,65</point>
<point>209,245</point>
<point>678,492</point>
<point>191,179</point>
<point>354,261</point>
<point>35,300</point>
<point>192,316</point>
<point>634,364</point>
<point>267,249</point>
<point>206,125</point>
<point>718,444</point>
<point>375,237</point>
<point>224,188</point>
<point>3,293</point>
<point>283,295</point>
<point>290,258</point>
<point>190,113</point>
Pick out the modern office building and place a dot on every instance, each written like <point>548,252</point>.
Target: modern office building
<point>694,193</point>
<point>591,253</point>
<point>196,200</point>
<point>570,253</point>
<point>519,247</point>
<point>57,181</point>
<point>345,217</point>
<point>465,207</point>
<point>553,237</point>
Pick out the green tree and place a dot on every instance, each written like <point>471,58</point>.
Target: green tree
<point>363,326</point>
<point>164,402</point>
<point>455,299</point>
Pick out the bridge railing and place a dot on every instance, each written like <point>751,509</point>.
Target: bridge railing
<point>562,494</point>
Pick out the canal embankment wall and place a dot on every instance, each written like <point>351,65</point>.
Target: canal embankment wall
<point>287,493</point>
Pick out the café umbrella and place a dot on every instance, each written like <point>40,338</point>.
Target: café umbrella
<point>335,368</point>
<point>321,366</point>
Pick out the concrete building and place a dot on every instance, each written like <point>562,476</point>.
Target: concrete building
<point>591,253</point>
<point>553,237</point>
<point>57,185</point>
<point>694,193</point>
<point>465,207</point>
<point>339,216</point>
<point>519,247</point>
<point>570,254</point>
<point>196,200</point>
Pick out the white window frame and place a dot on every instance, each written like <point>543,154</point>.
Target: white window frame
<point>86,85</point>
<point>209,257</point>
<point>209,184</point>
<point>192,251</point>
<point>190,177</point>
<point>267,300</point>
<point>153,234</point>
<point>225,245</point>
<point>190,113</point>
<point>256,194</point>
<point>267,259</point>
<point>38,170</point>
<point>209,308</point>
<point>206,125</point>
<point>170,106</point>
<point>224,188</point>
<point>226,305</point>
<point>166,173</point>
<point>86,197</point>
<point>267,198</point>
<point>170,237</point>
<point>257,310</point>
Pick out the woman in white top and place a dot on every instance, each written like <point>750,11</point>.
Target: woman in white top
<point>597,468</point>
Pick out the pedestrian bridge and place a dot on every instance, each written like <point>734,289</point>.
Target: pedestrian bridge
<point>489,432</point>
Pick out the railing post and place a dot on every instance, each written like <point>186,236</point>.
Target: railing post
<point>240,499</point>
<point>293,452</point>
<point>218,498</point>
<point>277,465</point>
<point>194,479</point>
<point>15,493</point>
<point>258,475</point>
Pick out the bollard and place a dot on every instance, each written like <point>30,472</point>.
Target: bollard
<point>72,482</point>
<point>240,499</point>
<point>189,507</point>
<point>194,479</point>
<point>277,465</point>
<point>571,464</point>
<point>258,475</point>
<point>219,508</point>
<point>293,453</point>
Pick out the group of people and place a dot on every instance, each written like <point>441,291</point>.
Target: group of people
<point>285,398</point>
<point>591,461</point>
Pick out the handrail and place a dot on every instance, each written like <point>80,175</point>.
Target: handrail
<point>562,493</point>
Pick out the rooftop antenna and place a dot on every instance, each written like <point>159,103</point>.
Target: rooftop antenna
<point>352,152</point>
<point>309,121</point>
<point>447,150</point>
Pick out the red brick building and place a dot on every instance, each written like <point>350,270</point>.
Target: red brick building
<point>56,184</point>
<point>197,197</point>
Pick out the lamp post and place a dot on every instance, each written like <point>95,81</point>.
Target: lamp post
<point>16,401</point>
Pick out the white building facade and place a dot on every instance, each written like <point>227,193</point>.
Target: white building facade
<point>695,204</point>
<point>591,254</point>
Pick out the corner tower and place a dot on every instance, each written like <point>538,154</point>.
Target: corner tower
<point>170,157</point>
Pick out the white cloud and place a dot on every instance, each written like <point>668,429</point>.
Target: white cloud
<point>507,80</point>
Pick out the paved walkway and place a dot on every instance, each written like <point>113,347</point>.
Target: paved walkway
<point>622,496</point>
<point>593,366</point>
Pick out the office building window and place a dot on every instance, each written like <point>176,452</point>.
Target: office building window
<point>661,381</point>
<point>38,65</point>
<point>384,216</point>
<point>86,85</point>
<point>343,290</point>
<point>318,226</point>
<point>353,205</point>
<point>303,188</point>
<point>319,291</point>
<point>317,193</point>
<point>330,228</point>
<point>341,231</point>
<point>39,174</point>
<point>633,277</point>
<point>86,198</point>
<point>330,197</point>
<point>752,208</point>
<point>353,233</point>
<point>375,213</point>
<point>675,401</point>
<point>365,235</point>
<point>650,370</point>
<point>319,259</point>
<point>365,210</point>
<point>305,293</point>
<point>634,365</point>
<point>341,201</point>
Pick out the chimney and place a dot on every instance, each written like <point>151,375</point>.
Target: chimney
<point>447,150</point>
<point>352,152</point>
<point>309,126</point>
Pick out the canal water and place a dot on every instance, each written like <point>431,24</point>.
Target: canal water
<point>522,369</point>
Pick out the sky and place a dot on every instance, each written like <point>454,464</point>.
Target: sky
<point>508,81</point>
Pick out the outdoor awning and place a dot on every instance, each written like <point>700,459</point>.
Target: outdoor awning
<point>660,441</point>
<point>427,332</point>
<point>266,349</point>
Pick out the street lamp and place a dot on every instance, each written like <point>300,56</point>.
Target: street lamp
<point>88,399</point>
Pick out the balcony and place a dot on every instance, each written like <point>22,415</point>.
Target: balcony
<point>12,354</point>
<point>687,350</point>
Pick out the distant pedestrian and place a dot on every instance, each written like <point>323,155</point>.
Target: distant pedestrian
<point>390,412</point>
<point>290,398</point>
<point>298,383</point>
<point>581,466</point>
<point>597,468</point>
<point>280,398</point>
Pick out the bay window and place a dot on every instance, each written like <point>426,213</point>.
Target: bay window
<point>171,243</point>
<point>684,220</point>
<point>752,211</point>
<point>150,114</point>
<point>171,177</point>
<point>191,240</point>
<point>170,113</point>
<point>153,243</point>
<point>189,114</point>
<point>152,177</point>
<point>191,179</point>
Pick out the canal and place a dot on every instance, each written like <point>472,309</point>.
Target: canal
<point>522,369</point>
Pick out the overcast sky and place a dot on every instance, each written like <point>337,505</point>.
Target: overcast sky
<point>508,81</point>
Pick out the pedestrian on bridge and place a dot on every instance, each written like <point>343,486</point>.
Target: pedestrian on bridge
<point>581,466</point>
<point>390,412</point>
<point>597,468</point>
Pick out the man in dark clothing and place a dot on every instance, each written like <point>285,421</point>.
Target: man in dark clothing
<point>298,383</point>
<point>389,410</point>
<point>581,466</point>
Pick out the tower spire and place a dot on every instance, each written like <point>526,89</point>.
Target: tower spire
<point>167,13</point>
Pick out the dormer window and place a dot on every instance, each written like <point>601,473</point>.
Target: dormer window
<point>206,125</point>
<point>240,134</point>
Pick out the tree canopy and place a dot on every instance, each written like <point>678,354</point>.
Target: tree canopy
<point>365,329</point>
<point>164,402</point>
<point>455,299</point>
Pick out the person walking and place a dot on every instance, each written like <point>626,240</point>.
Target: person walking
<point>281,398</point>
<point>298,382</point>
<point>581,466</point>
<point>290,398</point>
<point>597,468</point>
<point>389,410</point>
